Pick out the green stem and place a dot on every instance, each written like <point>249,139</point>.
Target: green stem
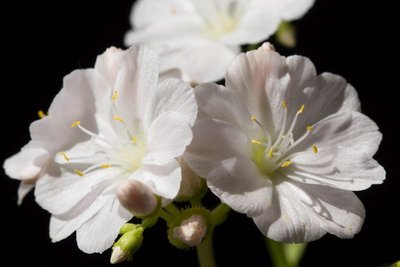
<point>285,255</point>
<point>276,252</point>
<point>219,213</point>
<point>166,216</point>
<point>205,252</point>
<point>196,203</point>
<point>173,209</point>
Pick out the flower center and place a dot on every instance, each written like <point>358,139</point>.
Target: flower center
<point>223,22</point>
<point>270,155</point>
<point>121,149</point>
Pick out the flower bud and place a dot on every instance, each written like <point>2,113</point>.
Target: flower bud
<point>127,245</point>
<point>286,34</point>
<point>136,197</point>
<point>191,231</point>
<point>192,185</point>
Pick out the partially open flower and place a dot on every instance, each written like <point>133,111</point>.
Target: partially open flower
<point>191,231</point>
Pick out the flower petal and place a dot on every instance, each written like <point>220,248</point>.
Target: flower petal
<point>260,79</point>
<point>23,190</point>
<point>99,232</point>
<point>136,82</point>
<point>70,194</point>
<point>74,102</point>
<point>293,9</point>
<point>172,95</point>
<point>351,130</point>
<point>167,138</point>
<point>256,21</point>
<point>213,142</point>
<point>222,104</point>
<point>164,180</point>
<point>237,182</point>
<point>28,163</point>
<point>303,214</point>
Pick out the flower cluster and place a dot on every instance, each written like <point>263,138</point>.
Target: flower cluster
<point>278,143</point>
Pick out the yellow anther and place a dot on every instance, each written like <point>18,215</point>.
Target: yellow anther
<point>286,164</point>
<point>76,123</point>
<point>118,118</point>
<point>105,166</point>
<point>284,104</point>
<point>78,172</point>
<point>134,139</point>
<point>315,149</point>
<point>256,142</point>
<point>270,153</point>
<point>301,109</point>
<point>253,118</point>
<point>64,156</point>
<point>115,95</point>
<point>41,114</point>
<point>309,128</point>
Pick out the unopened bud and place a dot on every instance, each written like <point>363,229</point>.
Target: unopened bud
<point>191,231</point>
<point>136,197</point>
<point>192,185</point>
<point>267,46</point>
<point>286,34</point>
<point>127,245</point>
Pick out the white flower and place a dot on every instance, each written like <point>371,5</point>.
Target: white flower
<point>201,37</point>
<point>52,133</point>
<point>286,147</point>
<point>140,128</point>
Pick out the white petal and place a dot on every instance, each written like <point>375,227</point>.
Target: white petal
<point>61,228</point>
<point>196,57</point>
<point>146,12</point>
<point>341,168</point>
<point>23,190</point>
<point>167,138</point>
<point>164,180</point>
<point>222,104</point>
<point>351,130</point>
<point>292,9</point>
<point>135,82</point>
<point>260,79</point>
<point>213,142</point>
<point>322,96</point>
<point>28,163</point>
<point>172,95</point>
<point>74,102</point>
<point>303,214</point>
<point>109,63</point>
<point>99,232</point>
<point>237,182</point>
<point>71,194</point>
<point>258,21</point>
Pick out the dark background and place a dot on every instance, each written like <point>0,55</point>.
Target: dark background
<point>42,42</point>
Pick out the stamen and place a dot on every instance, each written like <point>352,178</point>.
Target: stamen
<point>134,139</point>
<point>301,109</point>
<point>315,149</point>
<point>270,152</point>
<point>256,142</point>
<point>105,166</point>
<point>64,156</point>
<point>74,124</point>
<point>309,128</point>
<point>286,164</point>
<point>41,114</point>
<point>115,95</point>
<point>118,118</point>
<point>284,104</point>
<point>78,172</point>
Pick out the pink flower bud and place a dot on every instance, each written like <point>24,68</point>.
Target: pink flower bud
<point>136,197</point>
<point>191,231</point>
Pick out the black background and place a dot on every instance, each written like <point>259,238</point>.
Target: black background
<point>42,42</point>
